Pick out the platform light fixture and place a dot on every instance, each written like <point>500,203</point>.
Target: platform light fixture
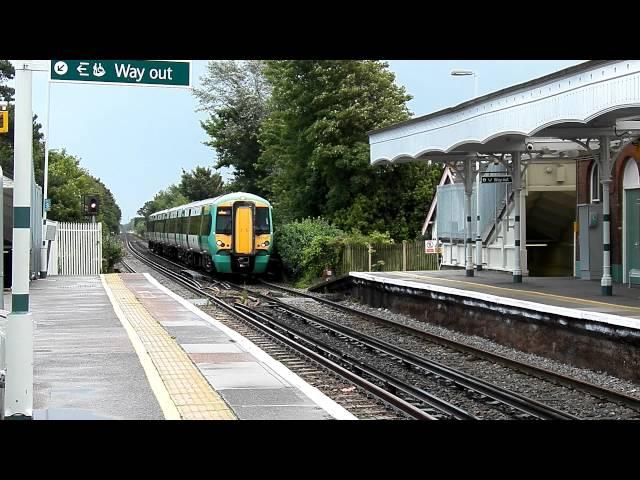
<point>464,73</point>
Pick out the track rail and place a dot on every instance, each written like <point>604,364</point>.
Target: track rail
<point>409,359</point>
<point>289,337</point>
<point>539,372</point>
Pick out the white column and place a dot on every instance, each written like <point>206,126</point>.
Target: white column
<point>478,238</point>
<point>606,283</point>
<point>468,191</point>
<point>517,187</point>
<point>19,356</point>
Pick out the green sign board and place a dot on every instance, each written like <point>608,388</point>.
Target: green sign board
<point>127,72</point>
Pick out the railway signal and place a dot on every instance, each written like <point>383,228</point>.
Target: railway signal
<point>4,121</point>
<point>91,205</point>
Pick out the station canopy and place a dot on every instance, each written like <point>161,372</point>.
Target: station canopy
<point>586,101</point>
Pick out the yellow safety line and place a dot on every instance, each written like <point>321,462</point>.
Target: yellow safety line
<point>186,388</point>
<point>571,299</point>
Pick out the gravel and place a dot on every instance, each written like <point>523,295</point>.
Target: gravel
<point>563,398</point>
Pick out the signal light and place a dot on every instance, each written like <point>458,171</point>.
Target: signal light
<point>91,204</point>
<point>4,121</point>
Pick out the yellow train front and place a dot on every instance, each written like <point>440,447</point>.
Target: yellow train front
<point>232,233</point>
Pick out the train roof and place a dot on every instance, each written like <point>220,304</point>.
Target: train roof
<point>211,201</point>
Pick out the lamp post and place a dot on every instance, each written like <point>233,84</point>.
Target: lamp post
<point>464,73</point>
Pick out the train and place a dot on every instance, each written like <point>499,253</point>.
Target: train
<point>229,234</point>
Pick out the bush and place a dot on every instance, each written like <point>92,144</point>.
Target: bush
<point>112,252</point>
<point>310,246</point>
<point>299,245</point>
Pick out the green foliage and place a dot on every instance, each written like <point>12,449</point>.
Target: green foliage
<point>112,251</point>
<point>310,246</point>
<point>235,93</point>
<point>167,198</point>
<point>200,184</point>
<point>7,72</point>
<point>68,182</point>
<point>297,243</point>
<point>316,152</point>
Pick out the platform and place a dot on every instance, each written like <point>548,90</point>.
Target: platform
<point>564,319</point>
<point>566,296</point>
<point>122,346</point>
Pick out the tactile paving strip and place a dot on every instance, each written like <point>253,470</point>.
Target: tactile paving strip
<point>189,390</point>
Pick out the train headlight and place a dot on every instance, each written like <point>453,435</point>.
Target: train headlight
<point>264,244</point>
<point>220,243</point>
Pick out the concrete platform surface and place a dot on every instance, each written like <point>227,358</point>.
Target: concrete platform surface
<point>84,364</point>
<point>122,346</point>
<point>566,296</point>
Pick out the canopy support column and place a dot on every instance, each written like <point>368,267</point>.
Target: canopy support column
<point>517,186</point>
<point>605,178</point>
<point>468,191</point>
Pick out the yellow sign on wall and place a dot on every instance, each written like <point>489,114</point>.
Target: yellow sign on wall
<point>4,121</point>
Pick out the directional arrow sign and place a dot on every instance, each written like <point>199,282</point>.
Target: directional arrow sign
<point>128,72</point>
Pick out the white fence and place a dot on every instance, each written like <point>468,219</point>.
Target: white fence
<point>77,249</point>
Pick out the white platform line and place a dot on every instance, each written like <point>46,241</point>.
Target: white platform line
<point>324,402</point>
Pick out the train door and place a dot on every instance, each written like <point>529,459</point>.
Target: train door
<point>243,229</point>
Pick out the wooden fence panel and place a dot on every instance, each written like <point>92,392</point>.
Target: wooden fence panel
<point>387,258</point>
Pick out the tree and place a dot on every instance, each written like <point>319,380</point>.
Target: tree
<point>235,94</point>
<point>68,182</point>
<point>6,140</point>
<point>7,72</point>
<point>168,198</point>
<point>315,149</point>
<point>200,184</point>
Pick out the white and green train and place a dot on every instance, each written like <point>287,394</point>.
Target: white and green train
<point>232,233</point>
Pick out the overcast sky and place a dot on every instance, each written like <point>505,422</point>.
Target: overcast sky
<point>138,139</point>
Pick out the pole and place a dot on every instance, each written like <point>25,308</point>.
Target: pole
<point>605,178</point>
<point>478,239</point>
<point>19,355</point>
<point>468,191</point>
<point>517,185</point>
<point>43,248</point>
<point>2,241</point>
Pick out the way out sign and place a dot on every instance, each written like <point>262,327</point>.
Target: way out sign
<point>129,72</point>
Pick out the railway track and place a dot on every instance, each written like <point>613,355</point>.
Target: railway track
<point>316,353</point>
<point>510,403</point>
<point>535,371</point>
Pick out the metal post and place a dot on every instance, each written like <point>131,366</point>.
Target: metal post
<point>2,242</point>
<point>478,239</point>
<point>404,255</point>
<point>19,355</point>
<point>517,185</point>
<point>605,178</point>
<point>468,191</point>
<point>43,248</point>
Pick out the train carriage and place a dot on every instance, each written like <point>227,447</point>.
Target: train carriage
<point>232,233</point>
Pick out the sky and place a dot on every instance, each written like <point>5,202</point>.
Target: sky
<point>137,140</point>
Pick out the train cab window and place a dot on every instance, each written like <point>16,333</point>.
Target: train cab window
<point>223,221</point>
<point>194,224</point>
<point>261,221</point>
<point>206,225</point>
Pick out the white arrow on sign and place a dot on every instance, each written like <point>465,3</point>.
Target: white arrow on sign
<point>61,68</point>
<point>82,69</point>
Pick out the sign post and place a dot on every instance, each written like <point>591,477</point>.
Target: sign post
<point>18,401</point>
